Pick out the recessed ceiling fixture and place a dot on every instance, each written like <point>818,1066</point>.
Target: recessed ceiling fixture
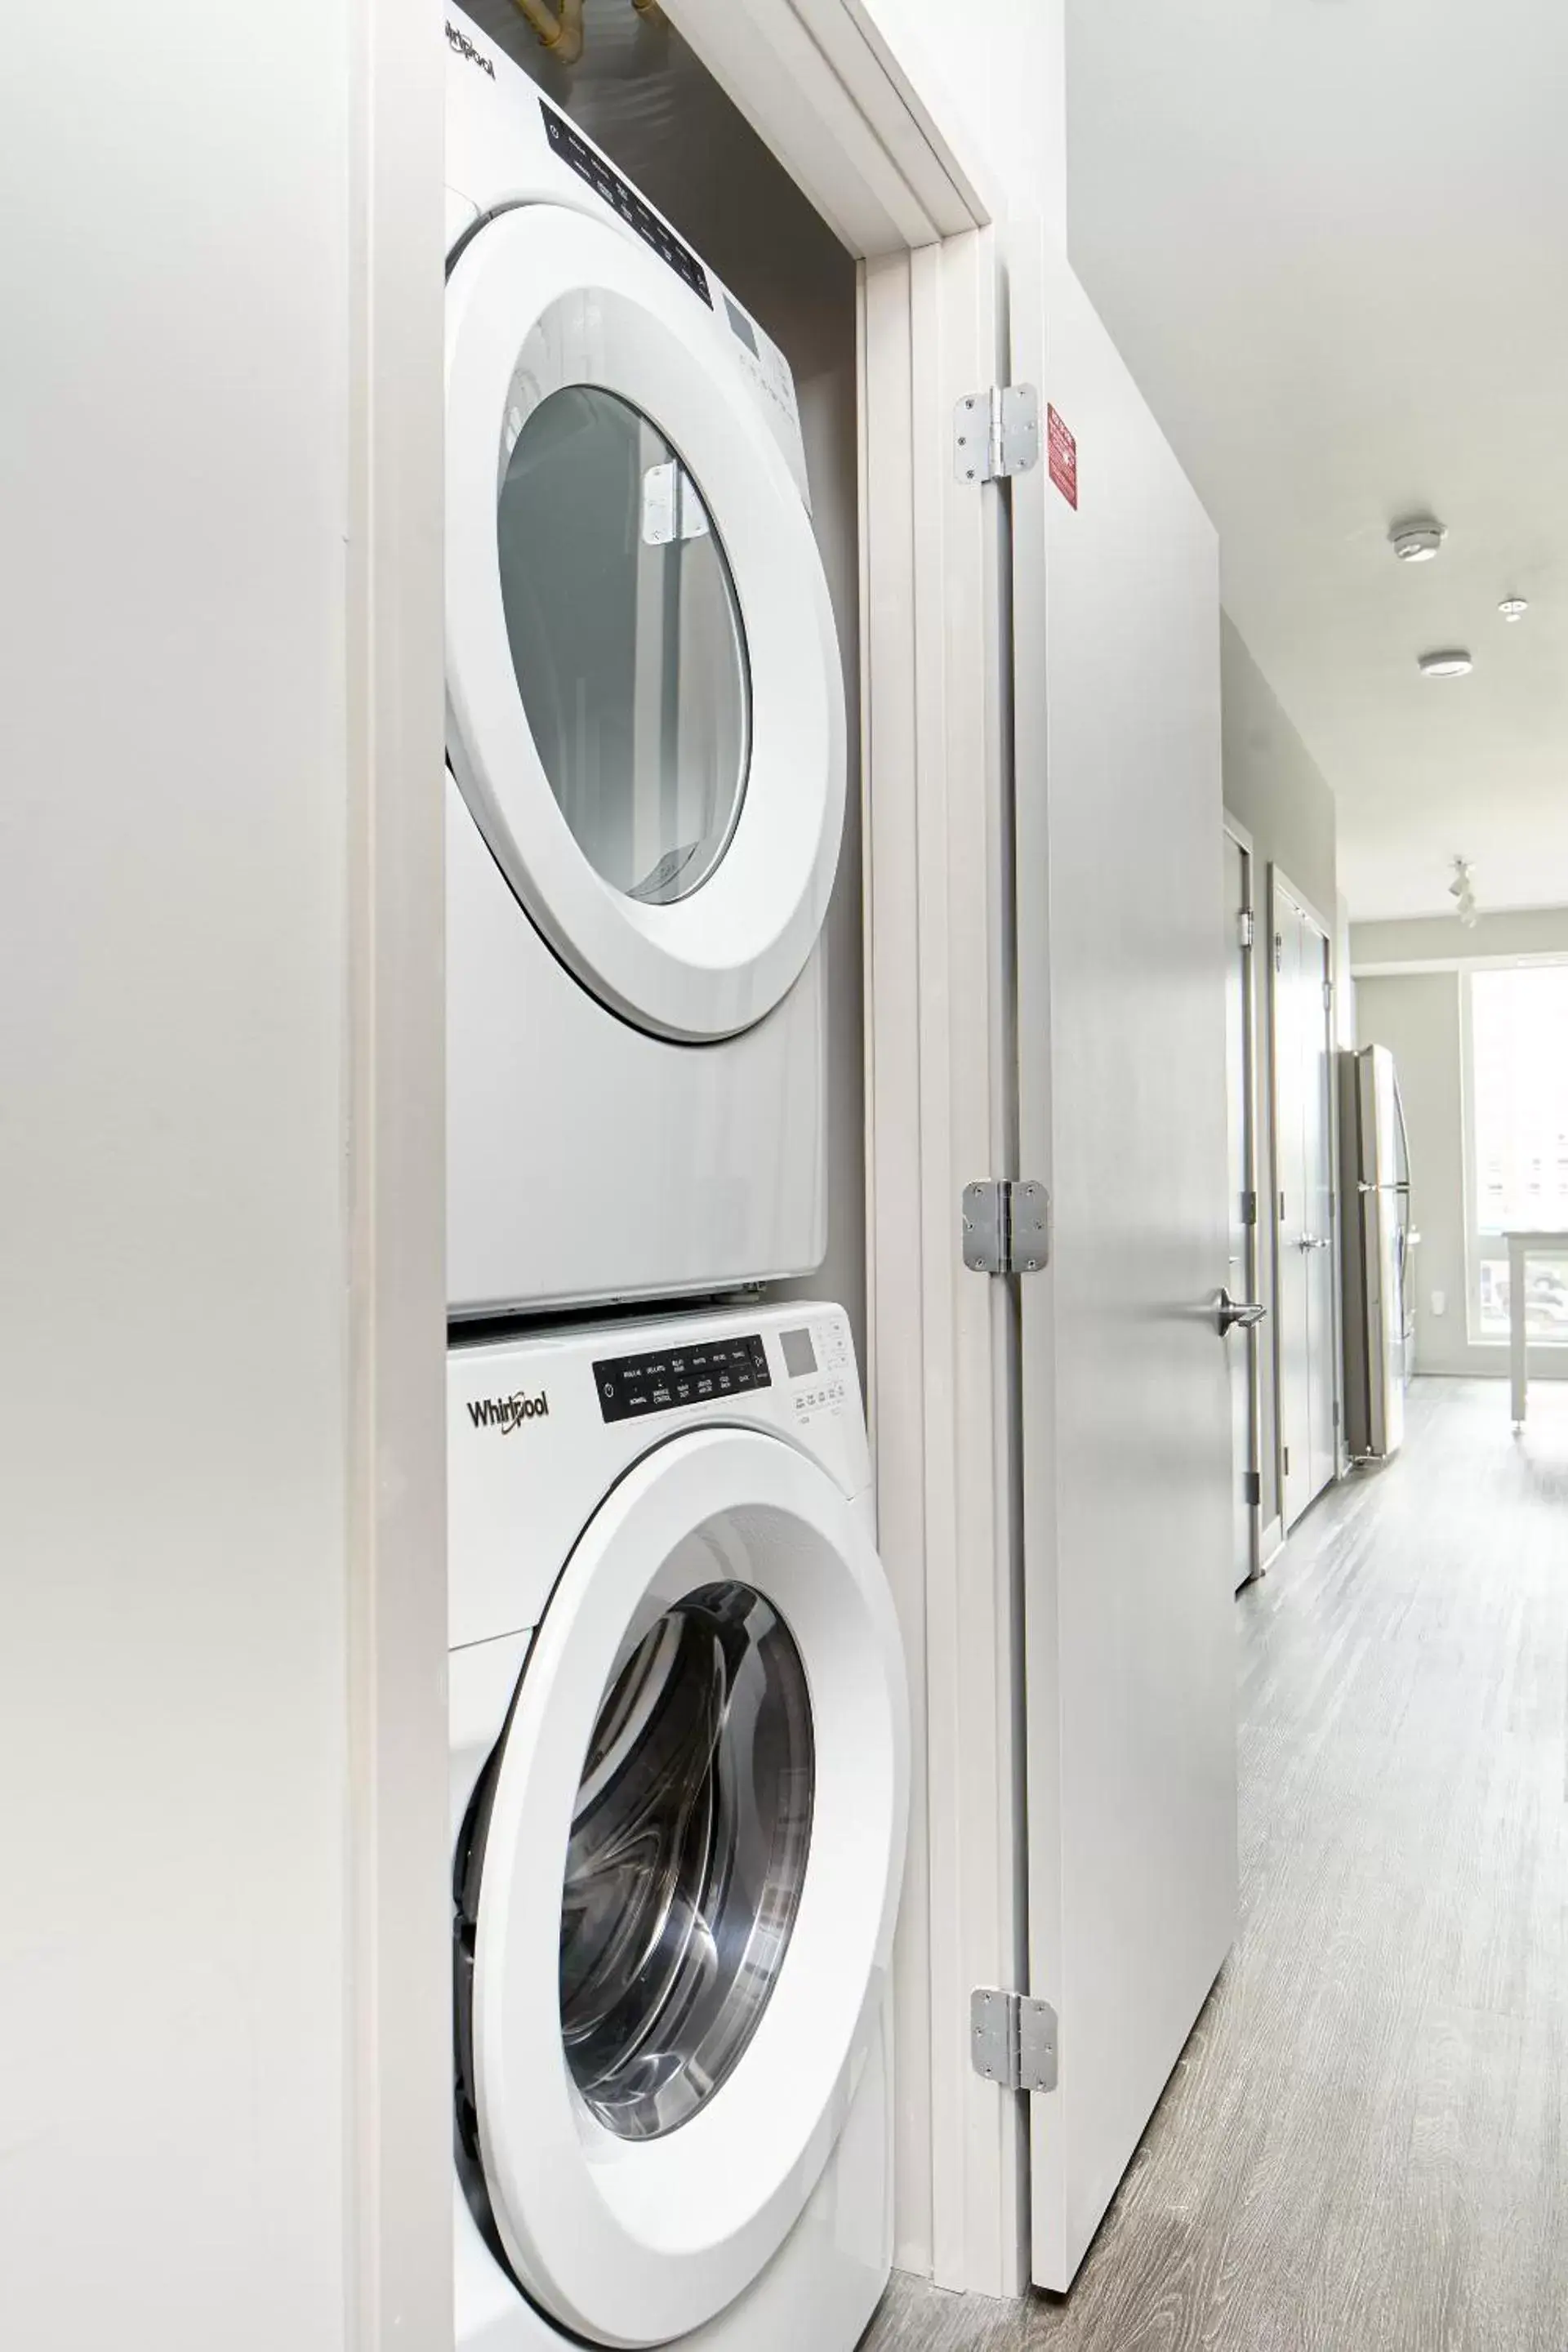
<point>1463,888</point>
<point>1450,661</point>
<point>1513,608</point>
<point>1417,538</point>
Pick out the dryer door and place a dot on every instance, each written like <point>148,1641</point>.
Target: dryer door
<point>645,705</point>
<point>693,1835</point>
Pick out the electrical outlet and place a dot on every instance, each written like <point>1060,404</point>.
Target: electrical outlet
<point>1439,1302</point>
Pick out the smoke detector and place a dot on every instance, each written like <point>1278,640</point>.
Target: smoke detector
<point>1513,608</point>
<point>1450,661</point>
<point>1418,539</point>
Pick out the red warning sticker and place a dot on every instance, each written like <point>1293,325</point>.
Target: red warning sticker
<point>1063,456</point>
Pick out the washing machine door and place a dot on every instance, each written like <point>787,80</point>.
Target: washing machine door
<point>691,1849</point>
<point>645,703</point>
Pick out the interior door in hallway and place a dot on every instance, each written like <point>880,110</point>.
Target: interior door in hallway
<point>1241,1204</point>
<point>1308,1336</point>
<point>1126,1397</point>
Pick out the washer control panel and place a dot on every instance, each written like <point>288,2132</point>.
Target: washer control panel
<point>822,1378</point>
<point>700,1373</point>
<point>606,181</point>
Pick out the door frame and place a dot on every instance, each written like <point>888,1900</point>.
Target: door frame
<point>823,89</point>
<point>1264,1541</point>
<point>1279,883</point>
<point>398,2095</point>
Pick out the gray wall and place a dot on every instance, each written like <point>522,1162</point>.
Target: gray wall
<point>657,113</point>
<point>1271,781</point>
<point>1275,789</point>
<point>1416,1015</point>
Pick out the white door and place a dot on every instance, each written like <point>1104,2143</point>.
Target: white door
<point>677,1889</point>
<point>1304,1205</point>
<point>645,704</point>
<point>1128,1531</point>
<point>1241,1206</point>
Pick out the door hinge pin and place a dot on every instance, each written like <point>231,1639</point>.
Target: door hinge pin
<point>996,433</point>
<point>1244,927</point>
<point>1013,2041</point>
<point>1006,1226</point>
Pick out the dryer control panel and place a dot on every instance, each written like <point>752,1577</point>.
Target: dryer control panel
<point>696,1373</point>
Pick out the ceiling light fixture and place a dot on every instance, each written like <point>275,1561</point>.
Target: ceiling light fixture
<point>1450,661</point>
<point>1513,608</point>
<point>1417,538</point>
<point>1463,888</point>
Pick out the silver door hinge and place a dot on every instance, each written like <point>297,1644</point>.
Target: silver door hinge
<point>1244,927</point>
<point>1006,1226</point>
<point>1251,1486</point>
<point>672,506</point>
<point>1013,2040</point>
<point>996,433</point>
<point>1249,1208</point>
<point>1328,995</point>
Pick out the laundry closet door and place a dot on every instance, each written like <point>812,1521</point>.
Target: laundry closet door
<point>1126,1395</point>
<point>1304,1201</point>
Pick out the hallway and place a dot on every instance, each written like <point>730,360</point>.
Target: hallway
<point>1363,2148</point>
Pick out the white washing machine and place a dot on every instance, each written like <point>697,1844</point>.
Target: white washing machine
<point>679,1789</point>
<point>644,729</point>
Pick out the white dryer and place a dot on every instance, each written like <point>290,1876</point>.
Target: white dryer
<point>645,730</point>
<point>679,1790</point>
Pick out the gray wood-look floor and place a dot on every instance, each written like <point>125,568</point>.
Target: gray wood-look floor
<point>1365,2146</point>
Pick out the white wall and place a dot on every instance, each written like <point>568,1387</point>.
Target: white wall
<point>184,1279</point>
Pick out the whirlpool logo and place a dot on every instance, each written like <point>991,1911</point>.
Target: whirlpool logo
<point>465,48</point>
<point>509,1413</point>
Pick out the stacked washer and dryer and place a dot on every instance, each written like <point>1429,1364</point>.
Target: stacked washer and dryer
<point>679,1774</point>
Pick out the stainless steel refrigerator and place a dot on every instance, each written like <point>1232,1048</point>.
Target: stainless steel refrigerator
<point>1379,1245</point>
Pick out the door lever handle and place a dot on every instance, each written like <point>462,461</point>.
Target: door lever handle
<point>1233,1311</point>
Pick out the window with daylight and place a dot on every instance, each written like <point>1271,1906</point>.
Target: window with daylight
<point>1516,1100</point>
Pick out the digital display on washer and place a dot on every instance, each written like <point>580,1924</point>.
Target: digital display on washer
<point>741,326</point>
<point>799,1355</point>
<point>575,150</point>
<point>630,1386</point>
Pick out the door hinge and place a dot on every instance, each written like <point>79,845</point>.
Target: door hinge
<point>1249,1208</point>
<point>1336,1412</point>
<point>673,508</point>
<point>1278,950</point>
<point>1244,927</point>
<point>1328,995</point>
<point>1013,2040</point>
<point>996,433</point>
<point>1251,1486</point>
<point>1285,1463</point>
<point>1006,1226</point>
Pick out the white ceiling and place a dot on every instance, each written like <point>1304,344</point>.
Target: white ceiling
<point>1331,239</point>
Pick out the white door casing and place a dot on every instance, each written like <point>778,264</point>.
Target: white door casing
<point>1307,1327</point>
<point>1242,1344</point>
<point>540,301</point>
<point>634,2241</point>
<point>1126,1401</point>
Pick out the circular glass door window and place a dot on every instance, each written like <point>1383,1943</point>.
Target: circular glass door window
<point>686,1855</point>
<point>626,638</point>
